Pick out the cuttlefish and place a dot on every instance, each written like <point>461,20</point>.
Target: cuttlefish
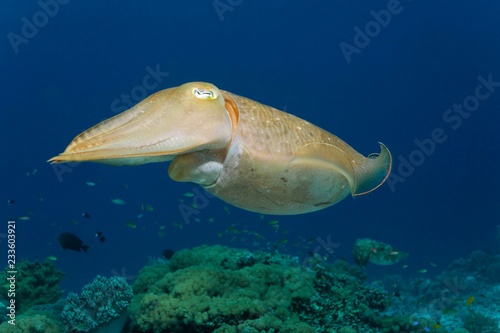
<point>248,154</point>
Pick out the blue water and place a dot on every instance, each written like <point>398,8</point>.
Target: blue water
<point>395,88</point>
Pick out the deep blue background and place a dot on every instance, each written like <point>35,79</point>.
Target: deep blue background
<point>282,53</point>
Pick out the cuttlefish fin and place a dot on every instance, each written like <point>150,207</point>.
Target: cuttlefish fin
<point>363,174</point>
<point>373,171</point>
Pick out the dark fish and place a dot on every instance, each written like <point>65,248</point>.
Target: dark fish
<point>167,253</point>
<point>101,237</point>
<point>86,215</point>
<point>11,201</point>
<point>71,241</point>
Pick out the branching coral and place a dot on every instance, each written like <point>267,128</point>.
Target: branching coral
<point>342,299</point>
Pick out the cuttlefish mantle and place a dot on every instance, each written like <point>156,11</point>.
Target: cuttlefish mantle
<point>248,154</point>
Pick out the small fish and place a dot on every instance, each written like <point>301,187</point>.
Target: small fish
<point>24,218</point>
<point>449,311</point>
<point>211,220</point>
<point>86,215</point>
<point>11,201</point>
<point>131,225</point>
<point>404,266</point>
<point>394,253</point>
<point>178,225</point>
<point>52,258</point>
<point>90,184</point>
<point>149,208</point>
<point>433,264</point>
<point>118,202</point>
<point>71,241</point>
<point>273,222</point>
<point>422,270</point>
<point>101,237</point>
<point>436,325</point>
<point>232,229</point>
<point>189,194</point>
<point>469,301</point>
<point>82,327</point>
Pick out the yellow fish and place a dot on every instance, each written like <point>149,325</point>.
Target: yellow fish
<point>469,301</point>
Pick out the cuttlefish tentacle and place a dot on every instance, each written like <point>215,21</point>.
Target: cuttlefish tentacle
<point>248,154</point>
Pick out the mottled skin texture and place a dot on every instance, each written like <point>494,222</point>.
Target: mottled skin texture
<point>248,154</point>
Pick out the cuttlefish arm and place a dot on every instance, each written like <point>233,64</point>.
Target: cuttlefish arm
<point>248,154</point>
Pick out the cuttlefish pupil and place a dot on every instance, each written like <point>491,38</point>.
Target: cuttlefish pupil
<point>248,154</point>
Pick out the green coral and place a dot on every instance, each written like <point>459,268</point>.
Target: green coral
<point>211,288</point>
<point>36,283</point>
<point>34,323</point>
<point>219,289</point>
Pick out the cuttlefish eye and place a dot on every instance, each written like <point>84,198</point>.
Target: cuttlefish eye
<point>204,93</point>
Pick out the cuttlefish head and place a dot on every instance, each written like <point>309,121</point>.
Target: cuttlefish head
<point>192,117</point>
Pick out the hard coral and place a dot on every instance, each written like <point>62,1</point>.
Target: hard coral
<point>219,289</point>
<point>342,300</point>
<point>209,287</point>
<point>101,301</point>
<point>33,323</point>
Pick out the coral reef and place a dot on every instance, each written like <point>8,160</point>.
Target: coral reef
<point>100,302</point>
<point>479,323</point>
<point>220,289</point>
<point>379,253</point>
<point>34,322</point>
<point>465,295</point>
<point>36,283</point>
